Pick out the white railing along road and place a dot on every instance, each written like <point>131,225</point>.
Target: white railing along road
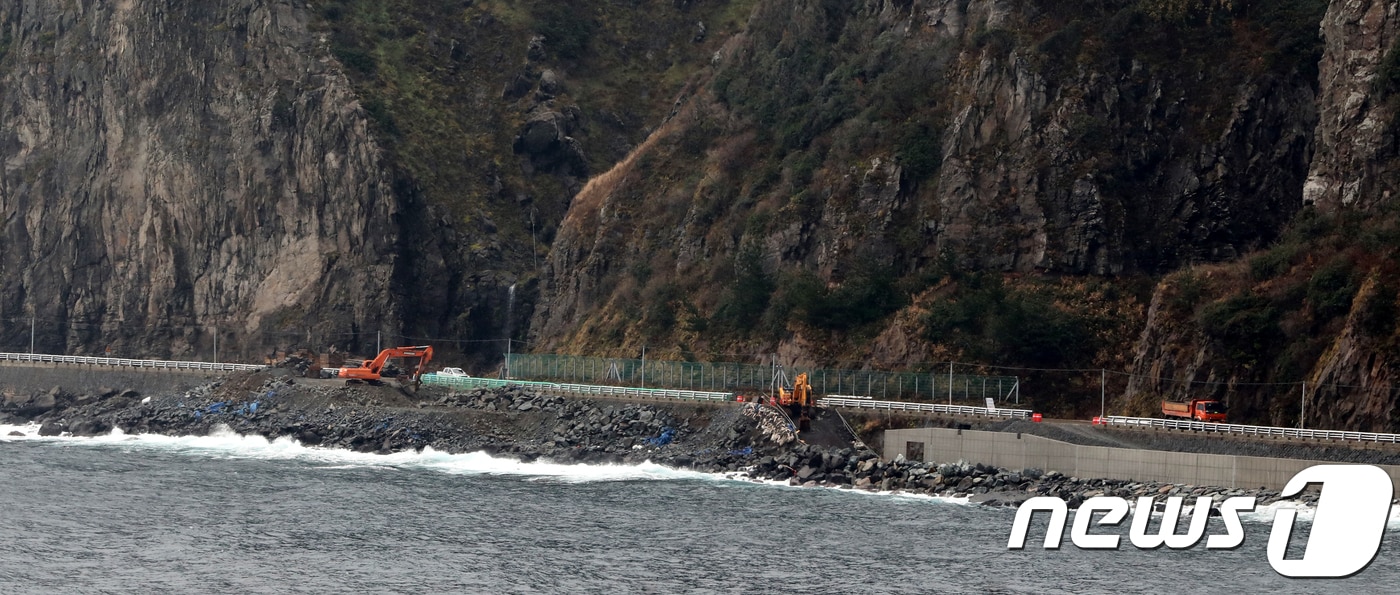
<point>1242,430</point>
<point>41,358</point>
<point>866,403</point>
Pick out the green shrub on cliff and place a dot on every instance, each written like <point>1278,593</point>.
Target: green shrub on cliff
<point>1030,325</point>
<point>865,297</point>
<point>1245,327</point>
<point>743,305</point>
<point>567,26</point>
<point>1332,287</point>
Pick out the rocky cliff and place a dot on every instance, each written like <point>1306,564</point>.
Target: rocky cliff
<point>1358,160</point>
<point>1304,333</point>
<point>1118,184</point>
<point>839,159</point>
<point>173,169</point>
<point>307,174</point>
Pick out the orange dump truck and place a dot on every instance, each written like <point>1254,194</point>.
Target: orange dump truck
<point>1197,409</point>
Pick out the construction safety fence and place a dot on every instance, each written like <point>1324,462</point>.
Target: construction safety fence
<point>576,390</point>
<point>759,378</point>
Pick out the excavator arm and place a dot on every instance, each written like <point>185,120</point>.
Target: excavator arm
<point>802,391</point>
<point>372,368</point>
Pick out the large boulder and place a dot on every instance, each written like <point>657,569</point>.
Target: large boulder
<point>39,405</point>
<point>545,139</point>
<point>90,427</point>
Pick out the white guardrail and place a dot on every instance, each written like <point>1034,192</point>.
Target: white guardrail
<point>40,358</point>
<point>578,390</point>
<point>866,403</point>
<point>1241,430</point>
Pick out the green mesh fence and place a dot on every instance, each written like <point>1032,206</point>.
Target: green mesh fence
<point>756,378</point>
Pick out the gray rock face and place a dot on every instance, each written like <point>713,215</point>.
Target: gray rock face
<point>1356,161</point>
<point>545,139</point>
<point>165,169</point>
<point>1101,165</point>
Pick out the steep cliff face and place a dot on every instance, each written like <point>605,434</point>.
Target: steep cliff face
<point>1358,160</point>
<point>170,169</point>
<point>309,174</point>
<point>1318,308</point>
<point>860,151</point>
<point>889,181</point>
<point>492,114</point>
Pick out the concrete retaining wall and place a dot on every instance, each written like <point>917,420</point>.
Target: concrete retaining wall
<point>34,378</point>
<point>1021,451</point>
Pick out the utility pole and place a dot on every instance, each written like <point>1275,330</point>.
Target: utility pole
<point>508,354</point>
<point>950,383</point>
<point>216,344</point>
<point>1103,400</point>
<point>644,366</point>
<point>31,335</point>
<point>1302,415</point>
<point>377,348</point>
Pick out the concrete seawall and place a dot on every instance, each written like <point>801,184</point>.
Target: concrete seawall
<point>1022,451</point>
<point>34,378</point>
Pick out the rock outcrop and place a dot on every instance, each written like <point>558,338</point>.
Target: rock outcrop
<point>292,174</point>
<point>172,171</point>
<point>1357,162</point>
<point>1332,370</point>
<point>1002,136</point>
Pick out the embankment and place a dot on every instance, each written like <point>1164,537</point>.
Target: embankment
<point>741,439</point>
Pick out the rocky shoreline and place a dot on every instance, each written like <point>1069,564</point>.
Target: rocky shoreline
<point>747,441</point>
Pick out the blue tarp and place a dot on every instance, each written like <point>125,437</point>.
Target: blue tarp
<point>667,435</point>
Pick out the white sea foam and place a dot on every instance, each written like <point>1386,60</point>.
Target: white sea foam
<point>224,443</point>
<point>227,444</point>
<point>783,483</point>
<point>1266,514</point>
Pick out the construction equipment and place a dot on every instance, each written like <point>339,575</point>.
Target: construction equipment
<point>798,401</point>
<point>1197,409</point>
<point>370,369</point>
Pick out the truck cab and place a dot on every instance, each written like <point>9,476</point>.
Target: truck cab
<point>1209,411</point>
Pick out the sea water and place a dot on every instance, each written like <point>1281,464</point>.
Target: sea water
<point>232,514</point>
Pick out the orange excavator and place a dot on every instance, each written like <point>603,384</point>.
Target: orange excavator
<point>370,369</point>
<point>798,401</point>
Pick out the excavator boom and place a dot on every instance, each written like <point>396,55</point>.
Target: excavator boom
<point>371,369</point>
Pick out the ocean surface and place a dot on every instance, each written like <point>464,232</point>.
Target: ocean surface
<point>229,514</point>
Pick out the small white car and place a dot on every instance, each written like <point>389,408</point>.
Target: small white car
<point>453,372</point>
